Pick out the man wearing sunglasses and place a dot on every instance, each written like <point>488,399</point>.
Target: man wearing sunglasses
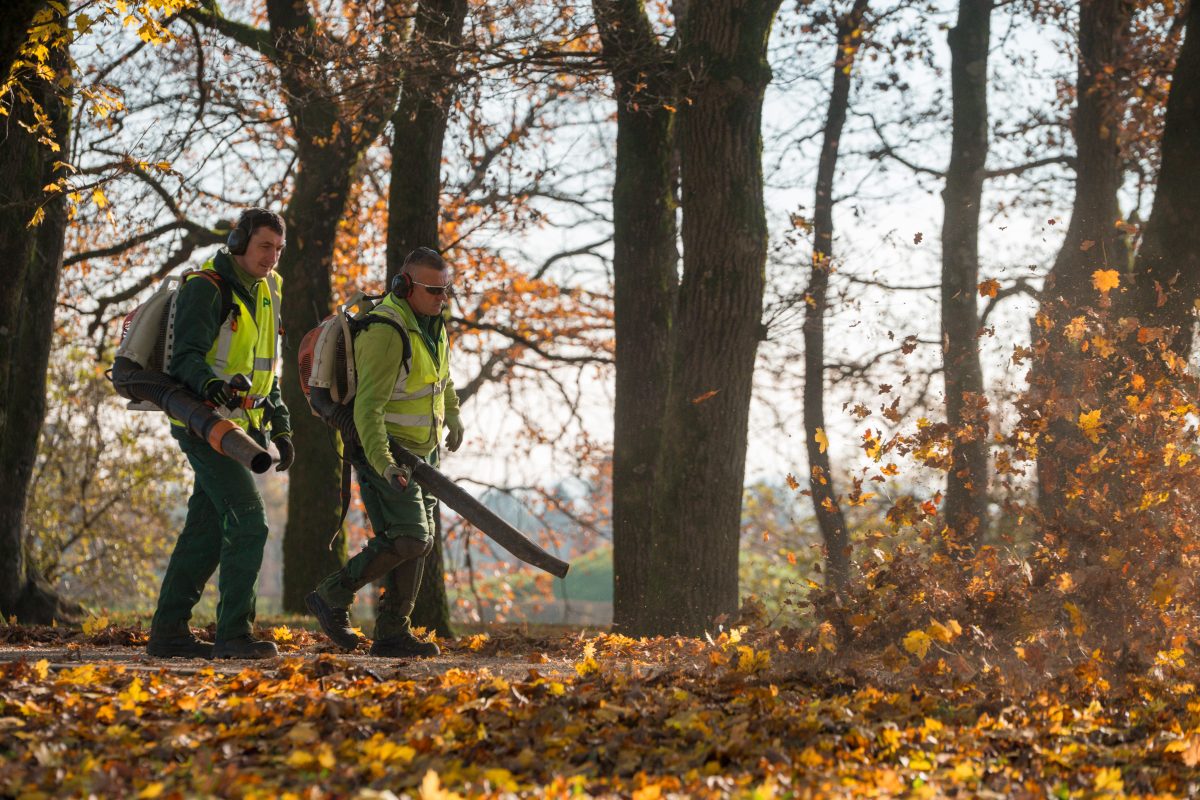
<point>405,405</point>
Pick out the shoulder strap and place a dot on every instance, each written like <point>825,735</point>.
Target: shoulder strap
<point>359,324</point>
<point>228,307</point>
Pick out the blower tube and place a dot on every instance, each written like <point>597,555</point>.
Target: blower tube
<point>437,484</point>
<point>135,383</point>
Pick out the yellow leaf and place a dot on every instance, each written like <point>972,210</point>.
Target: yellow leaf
<point>821,439</point>
<point>93,625</point>
<point>282,634</point>
<point>152,790</point>
<point>943,633</point>
<point>98,197</point>
<point>1108,780</point>
<point>42,668</point>
<point>1077,623</point>
<point>431,789</point>
<point>300,759</point>
<point>917,643</point>
<point>1105,280</point>
<point>1089,423</point>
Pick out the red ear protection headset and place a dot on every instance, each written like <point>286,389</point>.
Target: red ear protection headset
<point>402,284</point>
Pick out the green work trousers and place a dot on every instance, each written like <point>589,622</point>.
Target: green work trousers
<point>226,526</point>
<point>392,514</point>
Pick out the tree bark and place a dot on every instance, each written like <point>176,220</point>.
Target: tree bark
<point>27,303</point>
<point>330,139</point>
<point>1168,262</point>
<point>821,487</point>
<point>14,30</point>
<point>1092,242</point>
<point>645,273</point>
<point>965,510</point>
<point>701,465</point>
<point>414,201</point>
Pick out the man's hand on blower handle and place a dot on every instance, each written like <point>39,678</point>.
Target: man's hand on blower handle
<point>398,477</point>
<point>226,394</point>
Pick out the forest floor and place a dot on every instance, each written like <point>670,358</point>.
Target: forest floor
<point>502,713</point>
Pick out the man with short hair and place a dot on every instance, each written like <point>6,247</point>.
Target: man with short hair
<point>226,347</point>
<point>396,405</point>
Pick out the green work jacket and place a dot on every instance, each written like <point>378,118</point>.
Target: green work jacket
<point>410,405</point>
<point>207,347</point>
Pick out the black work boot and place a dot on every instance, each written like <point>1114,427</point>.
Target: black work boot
<point>335,622</point>
<point>177,642</point>
<point>245,646</point>
<point>404,645</point>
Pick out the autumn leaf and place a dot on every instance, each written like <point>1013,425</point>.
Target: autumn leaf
<point>1105,280</point>
<point>989,288</point>
<point>821,439</point>
<point>706,396</point>
<point>1089,423</point>
<point>917,643</point>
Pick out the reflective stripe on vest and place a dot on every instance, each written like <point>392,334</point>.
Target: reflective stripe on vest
<point>248,344</point>
<point>416,409</point>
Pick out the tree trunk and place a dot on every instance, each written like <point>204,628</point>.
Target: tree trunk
<point>414,200</point>
<point>701,465</point>
<point>27,303</point>
<point>1168,262</point>
<point>328,148</point>
<point>432,610</point>
<point>965,511</point>
<point>1092,242</point>
<point>14,30</point>
<point>318,202</point>
<point>823,494</point>
<point>645,265</point>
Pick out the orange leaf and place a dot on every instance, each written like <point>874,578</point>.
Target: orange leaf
<point>1105,280</point>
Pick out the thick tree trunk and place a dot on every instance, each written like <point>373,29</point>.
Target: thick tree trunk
<point>965,511</point>
<point>414,200</point>
<point>432,610</point>
<point>14,30</point>
<point>328,147</point>
<point>823,494</point>
<point>318,202</point>
<point>645,272</point>
<point>27,303</point>
<point>1168,262</point>
<point>701,465</point>
<point>1092,242</point>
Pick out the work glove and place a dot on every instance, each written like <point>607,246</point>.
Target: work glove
<point>454,432</point>
<point>398,477</point>
<point>218,392</point>
<point>287,452</point>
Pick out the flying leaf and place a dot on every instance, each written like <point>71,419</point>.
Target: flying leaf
<point>821,439</point>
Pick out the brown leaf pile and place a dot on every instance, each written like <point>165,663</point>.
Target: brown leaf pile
<point>746,715</point>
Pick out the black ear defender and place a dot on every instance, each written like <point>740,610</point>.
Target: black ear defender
<point>402,284</point>
<point>239,237</point>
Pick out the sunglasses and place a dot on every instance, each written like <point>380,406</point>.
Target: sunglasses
<point>435,290</point>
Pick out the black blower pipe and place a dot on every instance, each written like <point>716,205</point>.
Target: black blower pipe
<point>135,383</point>
<point>437,484</point>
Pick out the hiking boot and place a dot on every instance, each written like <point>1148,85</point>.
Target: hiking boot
<point>180,643</point>
<point>404,645</point>
<point>245,646</point>
<point>335,622</point>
